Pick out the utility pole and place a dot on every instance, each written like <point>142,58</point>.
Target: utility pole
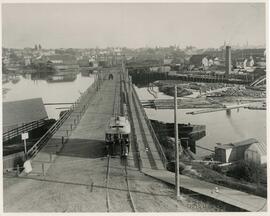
<point>177,179</point>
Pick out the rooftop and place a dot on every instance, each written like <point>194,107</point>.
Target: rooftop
<point>237,144</point>
<point>23,111</point>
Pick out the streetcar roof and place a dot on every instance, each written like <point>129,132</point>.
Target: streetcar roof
<point>118,124</point>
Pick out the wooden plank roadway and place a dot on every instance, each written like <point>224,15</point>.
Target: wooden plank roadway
<point>239,199</point>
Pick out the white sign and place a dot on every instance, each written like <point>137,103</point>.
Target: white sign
<point>25,136</point>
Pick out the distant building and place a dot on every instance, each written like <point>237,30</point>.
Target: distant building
<point>93,62</point>
<point>154,69</point>
<point>205,63</point>
<point>62,59</point>
<point>196,60</point>
<point>228,61</point>
<point>210,62</point>
<point>27,60</point>
<point>231,152</point>
<point>216,61</point>
<point>167,61</point>
<point>164,69</point>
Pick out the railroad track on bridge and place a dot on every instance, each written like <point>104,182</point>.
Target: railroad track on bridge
<point>114,180</point>
<point>127,199</point>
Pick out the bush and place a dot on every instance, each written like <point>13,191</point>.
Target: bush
<point>246,170</point>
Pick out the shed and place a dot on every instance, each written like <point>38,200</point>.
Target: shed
<point>17,113</point>
<point>233,151</point>
<point>256,153</point>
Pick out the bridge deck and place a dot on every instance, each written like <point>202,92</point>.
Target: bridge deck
<point>75,179</point>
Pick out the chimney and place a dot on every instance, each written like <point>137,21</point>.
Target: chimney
<point>228,62</point>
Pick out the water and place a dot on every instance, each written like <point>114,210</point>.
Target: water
<point>50,92</point>
<point>220,127</point>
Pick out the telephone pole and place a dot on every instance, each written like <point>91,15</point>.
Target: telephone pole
<point>177,177</point>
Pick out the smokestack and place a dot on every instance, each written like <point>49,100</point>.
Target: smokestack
<point>228,62</point>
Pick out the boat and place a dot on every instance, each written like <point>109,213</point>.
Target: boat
<point>61,78</point>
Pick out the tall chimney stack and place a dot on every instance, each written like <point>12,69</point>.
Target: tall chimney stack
<point>228,62</point>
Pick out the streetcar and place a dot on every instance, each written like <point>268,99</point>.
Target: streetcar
<point>117,136</point>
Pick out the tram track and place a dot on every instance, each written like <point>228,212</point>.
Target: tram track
<point>118,194</point>
<point>128,188</point>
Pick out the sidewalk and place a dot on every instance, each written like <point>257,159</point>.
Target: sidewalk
<point>239,199</point>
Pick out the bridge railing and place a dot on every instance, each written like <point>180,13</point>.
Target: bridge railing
<point>81,104</point>
<point>156,141</point>
<point>43,140</point>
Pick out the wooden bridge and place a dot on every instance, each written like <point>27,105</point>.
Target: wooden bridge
<point>72,172</point>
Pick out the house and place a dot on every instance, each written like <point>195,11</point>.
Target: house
<point>196,60</point>
<point>164,69</point>
<point>231,152</point>
<point>167,61</point>
<point>256,152</point>
<point>205,63</point>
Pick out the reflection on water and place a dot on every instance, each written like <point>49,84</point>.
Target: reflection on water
<point>221,127</point>
<point>33,86</point>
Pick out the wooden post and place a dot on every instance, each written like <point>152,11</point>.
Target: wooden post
<point>25,148</point>
<point>50,157</point>
<point>177,180</point>
<point>43,169</point>
<point>62,140</point>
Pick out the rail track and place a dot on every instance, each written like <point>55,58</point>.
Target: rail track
<point>126,198</point>
<point>114,180</point>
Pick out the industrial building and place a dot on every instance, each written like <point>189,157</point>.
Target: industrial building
<point>249,149</point>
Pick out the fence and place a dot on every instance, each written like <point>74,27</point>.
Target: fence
<point>11,161</point>
<point>22,129</point>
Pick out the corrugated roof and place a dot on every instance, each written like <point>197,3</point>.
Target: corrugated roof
<point>23,111</point>
<point>261,147</point>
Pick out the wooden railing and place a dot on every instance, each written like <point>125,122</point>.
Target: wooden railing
<point>22,129</point>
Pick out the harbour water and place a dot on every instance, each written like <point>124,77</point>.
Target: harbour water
<point>221,127</point>
<point>51,92</point>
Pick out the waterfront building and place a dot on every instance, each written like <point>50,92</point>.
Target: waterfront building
<point>18,113</point>
<point>232,152</point>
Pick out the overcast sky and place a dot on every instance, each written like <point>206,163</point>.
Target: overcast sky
<point>132,25</point>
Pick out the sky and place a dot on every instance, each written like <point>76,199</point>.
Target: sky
<point>89,25</point>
